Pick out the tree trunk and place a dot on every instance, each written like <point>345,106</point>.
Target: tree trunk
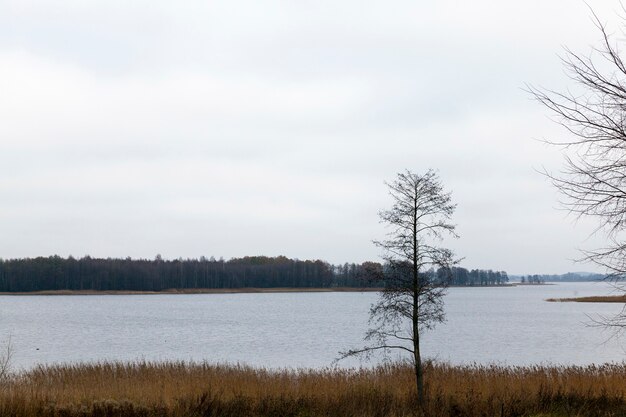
<point>419,373</point>
<point>419,376</point>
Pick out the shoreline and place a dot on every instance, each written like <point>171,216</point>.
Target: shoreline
<point>254,290</point>
<point>591,299</point>
<point>184,291</point>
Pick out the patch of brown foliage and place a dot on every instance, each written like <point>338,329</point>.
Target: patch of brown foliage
<point>181,389</point>
<point>592,299</point>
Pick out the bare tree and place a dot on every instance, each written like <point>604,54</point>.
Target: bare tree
<point>411,300</point>
<point>593,181</point>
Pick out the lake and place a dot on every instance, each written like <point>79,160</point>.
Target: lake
<point>508,325</point>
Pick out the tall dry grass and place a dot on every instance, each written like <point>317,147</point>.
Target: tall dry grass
<point>181,389</point>
<point>592,299</point>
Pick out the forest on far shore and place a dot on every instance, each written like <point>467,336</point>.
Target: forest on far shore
<point>111,274</point>
<point>568,277</point>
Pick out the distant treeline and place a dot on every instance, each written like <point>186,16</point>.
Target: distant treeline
<point>569,277</point>
<point>96,274</point>
<point>474,277</point>
<point>533,279</point>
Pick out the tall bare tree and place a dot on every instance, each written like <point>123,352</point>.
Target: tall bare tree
<point>593,181</point>
<point>412,298</point>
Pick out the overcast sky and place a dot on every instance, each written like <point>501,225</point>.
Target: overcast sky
<point>233,128</point>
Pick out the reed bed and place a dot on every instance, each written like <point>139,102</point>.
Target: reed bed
<point>191,389</point>
<point>592,299</point>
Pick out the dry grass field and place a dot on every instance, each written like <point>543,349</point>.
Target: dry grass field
<point>592,299</point>
<point>180,389</point>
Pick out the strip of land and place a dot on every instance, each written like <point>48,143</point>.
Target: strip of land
<point>229,290</point>
<point>592,299</point>
<point>232,290</point>
<point>196,291</point>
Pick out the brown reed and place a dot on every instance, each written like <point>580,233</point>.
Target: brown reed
<point>191,389</point>
<point>592,299</point>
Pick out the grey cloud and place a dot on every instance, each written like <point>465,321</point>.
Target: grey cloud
<point>237,128</point>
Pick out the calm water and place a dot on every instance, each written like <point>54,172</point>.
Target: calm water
<point>484,325</point>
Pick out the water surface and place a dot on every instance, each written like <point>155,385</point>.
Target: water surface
<point>512,325</point>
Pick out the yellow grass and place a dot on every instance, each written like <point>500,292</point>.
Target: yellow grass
<point>180,389</point>
<point>593,299</point>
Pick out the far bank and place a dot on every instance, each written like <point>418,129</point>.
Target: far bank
<point>235,290</point>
